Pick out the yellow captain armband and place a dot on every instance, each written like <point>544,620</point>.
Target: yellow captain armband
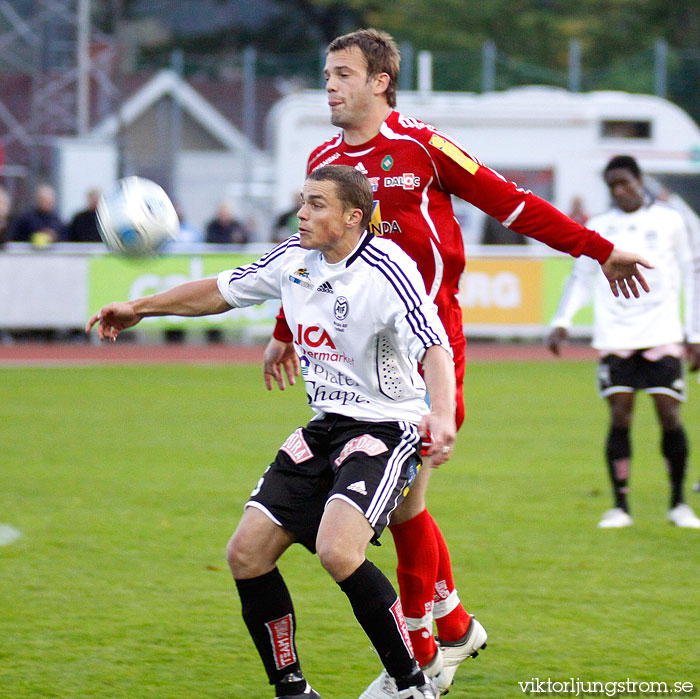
<point>451,151</point>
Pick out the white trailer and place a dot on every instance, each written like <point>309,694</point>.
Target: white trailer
<point>551,141</point>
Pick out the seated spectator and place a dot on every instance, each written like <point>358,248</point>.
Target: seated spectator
<point>83,226</point>
<point>5,207</point>
<point>41,224</point>
<point>225,229</point>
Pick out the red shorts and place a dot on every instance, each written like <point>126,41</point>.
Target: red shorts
<point>451,318</point>
<point>459,348</point>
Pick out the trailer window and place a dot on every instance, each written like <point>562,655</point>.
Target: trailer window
<point>624,128</point>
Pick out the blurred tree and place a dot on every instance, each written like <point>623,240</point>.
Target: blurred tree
<point>534,30</point>
<point>616,36</point>
<point>537,30</point>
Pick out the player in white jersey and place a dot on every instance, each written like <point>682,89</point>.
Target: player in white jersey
<point>641,344</point>
<point>362,322</point>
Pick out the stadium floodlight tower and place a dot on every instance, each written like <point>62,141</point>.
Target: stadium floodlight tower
<point>57,71</point>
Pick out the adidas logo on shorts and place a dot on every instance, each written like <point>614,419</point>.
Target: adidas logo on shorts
<point>326,288</point>
<point>358,487</point>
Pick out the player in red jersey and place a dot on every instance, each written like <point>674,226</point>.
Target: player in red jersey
<point>414,170</point>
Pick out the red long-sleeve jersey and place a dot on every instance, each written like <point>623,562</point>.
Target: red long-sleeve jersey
<point>414,170</point>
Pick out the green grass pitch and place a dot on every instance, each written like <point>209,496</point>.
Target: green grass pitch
<point>126,483</point>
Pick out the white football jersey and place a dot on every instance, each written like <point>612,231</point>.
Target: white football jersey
<point>658,233</point>
<point>360,326</point>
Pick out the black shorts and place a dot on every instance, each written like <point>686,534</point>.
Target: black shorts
<point>370,465</point>
<point>636,373</point>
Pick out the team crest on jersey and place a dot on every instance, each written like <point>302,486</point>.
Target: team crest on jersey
<point>387,163</point>
<point>341,308</point>
<point>300,277</point>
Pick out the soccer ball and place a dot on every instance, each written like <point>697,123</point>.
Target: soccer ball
<point>137,218</point>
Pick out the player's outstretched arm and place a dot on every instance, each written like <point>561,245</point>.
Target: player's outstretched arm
<point>622,272</point>
<point>439,423</point>
<point>556,339</point>
<point>280,355</point>
<point>198,298</point>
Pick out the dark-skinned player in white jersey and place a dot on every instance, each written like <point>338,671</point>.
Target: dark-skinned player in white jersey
<point>414,170</point>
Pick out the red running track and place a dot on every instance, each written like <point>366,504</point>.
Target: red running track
<point>73,354</point>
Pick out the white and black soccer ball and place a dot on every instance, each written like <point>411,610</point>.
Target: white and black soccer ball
<point>137,218</point>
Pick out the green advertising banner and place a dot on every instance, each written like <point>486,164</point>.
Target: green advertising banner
<point>117,279</point>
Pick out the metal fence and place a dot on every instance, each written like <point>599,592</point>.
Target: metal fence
<point>658,69</point>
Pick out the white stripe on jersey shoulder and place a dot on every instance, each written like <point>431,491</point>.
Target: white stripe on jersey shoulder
<point>375,256</point>
<point>292,242</point>
<point>392,135</point>
<point>387,132</point>
<point>333,143</point>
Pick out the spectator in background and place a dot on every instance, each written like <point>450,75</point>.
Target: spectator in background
<point>83,226</point>
<point>224,229</point>
<point>5,207</point>
<point>578,211</point>
<point>41,224</point>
